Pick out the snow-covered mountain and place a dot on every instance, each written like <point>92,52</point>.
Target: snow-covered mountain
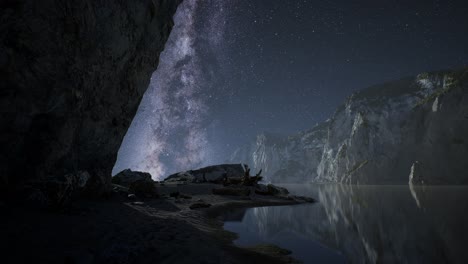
<point>414,129</point>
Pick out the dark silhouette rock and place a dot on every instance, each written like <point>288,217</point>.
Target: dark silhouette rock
<point>143,188</point>
<point>139,183</point>
<point>127,177</point>
<point>54,192</point>
<point>72,75</point>
<point>214,174</point>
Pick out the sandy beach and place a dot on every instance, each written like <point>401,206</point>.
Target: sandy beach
<point>120,229</point>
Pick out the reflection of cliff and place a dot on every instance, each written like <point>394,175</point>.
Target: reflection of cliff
<point>377,224</point>
<point>414,126</point>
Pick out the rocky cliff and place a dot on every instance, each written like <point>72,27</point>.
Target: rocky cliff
<point>285,159</point>
<point>412,130</point>
<point>72,74</point>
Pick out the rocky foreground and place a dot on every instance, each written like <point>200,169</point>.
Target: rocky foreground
<point>72,76</point>
<point>175,221</point>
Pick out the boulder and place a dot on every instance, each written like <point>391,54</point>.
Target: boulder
<point>127,177</point>
<point>181,177</point>
<point>139,183</point>
<point>143,188</point>
<point>213,174</point>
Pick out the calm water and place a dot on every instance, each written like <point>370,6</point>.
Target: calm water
<point>364,224</point>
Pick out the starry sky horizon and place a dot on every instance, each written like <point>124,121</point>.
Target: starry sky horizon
<point>236,68</point>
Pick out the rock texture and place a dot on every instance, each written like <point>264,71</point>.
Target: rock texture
<point>72,74</point>
<point>285,159</point>
<point>139,183</point>
<point>412,130</point>
<point>215,174</point>
<point>127,177</point>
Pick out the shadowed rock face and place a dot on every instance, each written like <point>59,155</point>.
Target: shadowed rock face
<point>72,74</point>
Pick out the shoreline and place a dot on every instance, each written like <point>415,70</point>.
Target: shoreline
<point>214,218</point>
<point>153,230</point>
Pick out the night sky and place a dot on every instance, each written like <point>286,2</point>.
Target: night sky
<point>236,68</point>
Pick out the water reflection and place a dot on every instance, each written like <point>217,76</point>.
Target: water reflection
<point>367,224</point>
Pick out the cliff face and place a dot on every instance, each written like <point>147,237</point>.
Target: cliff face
<point>72,75</point>
<point>285,159</point>
<point>413,130</point>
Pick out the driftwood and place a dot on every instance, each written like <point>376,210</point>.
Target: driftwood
<point>248,180</point>
<point>245,180</point>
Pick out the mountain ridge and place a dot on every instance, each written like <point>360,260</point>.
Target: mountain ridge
<point>392,133</point>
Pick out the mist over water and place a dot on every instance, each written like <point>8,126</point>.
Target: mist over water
<point>365,224</point>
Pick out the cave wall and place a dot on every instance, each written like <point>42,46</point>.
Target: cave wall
<point>72,74</point>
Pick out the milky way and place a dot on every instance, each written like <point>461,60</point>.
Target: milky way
<point>236,68</point>
<point>171,129</point>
